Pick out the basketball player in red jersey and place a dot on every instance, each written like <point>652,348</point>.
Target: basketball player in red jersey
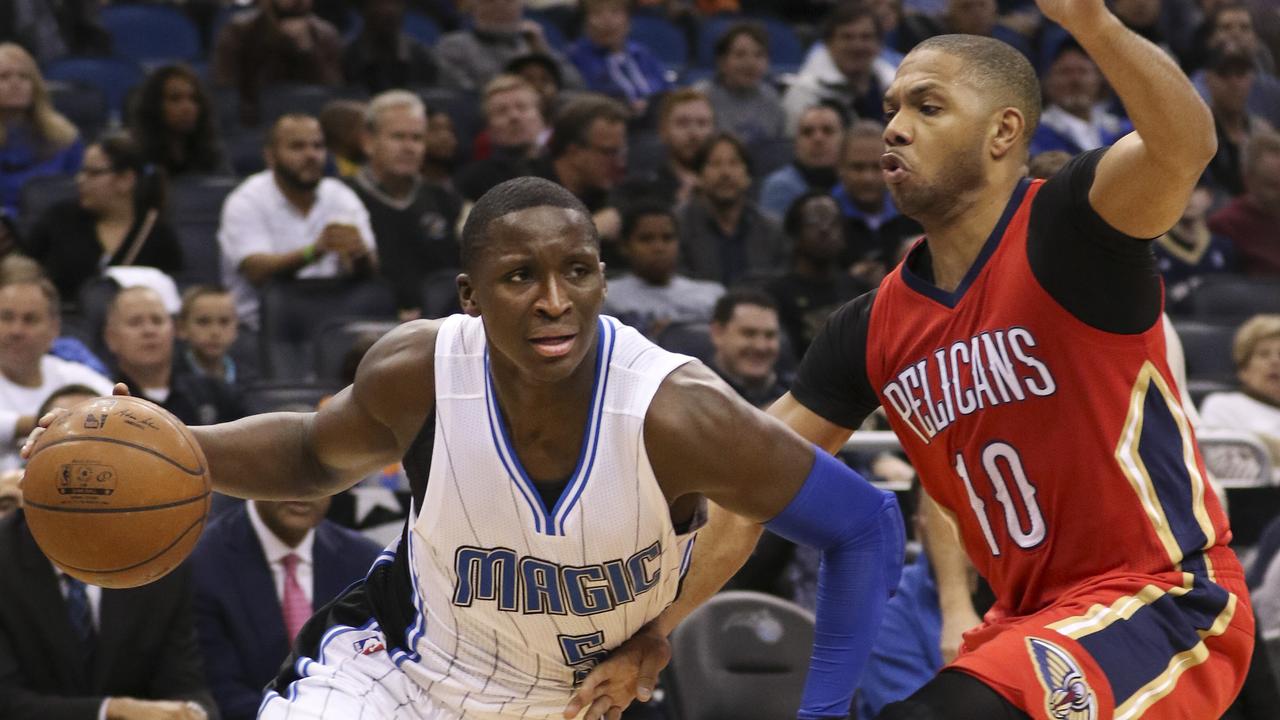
<point>1019,354</point>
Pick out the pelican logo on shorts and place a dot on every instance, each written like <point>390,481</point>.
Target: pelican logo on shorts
<point>368,646</point>
<point>87,479</point>
<point>1066,694</point>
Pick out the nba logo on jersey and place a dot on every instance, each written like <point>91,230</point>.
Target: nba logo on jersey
<point>1066,694</point>
<point>368,646</point>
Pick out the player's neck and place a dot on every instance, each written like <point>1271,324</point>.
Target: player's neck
<point>956,239</point>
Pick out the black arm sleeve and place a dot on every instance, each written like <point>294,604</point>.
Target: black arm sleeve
<point>833,381</point>
<point>1106,279</point>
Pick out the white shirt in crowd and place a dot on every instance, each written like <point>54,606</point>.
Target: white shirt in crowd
<point>258,219</point>
<point>17,400</point>
<point>1237,411</point>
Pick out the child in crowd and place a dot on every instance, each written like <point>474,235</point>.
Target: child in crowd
<point>207,324</point>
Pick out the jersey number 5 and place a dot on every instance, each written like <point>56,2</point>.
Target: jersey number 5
<point>1001,462</point>
<point>582,652</point>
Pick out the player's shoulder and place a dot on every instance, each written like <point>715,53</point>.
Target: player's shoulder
<point>397,374</point>
<point>691,402</point>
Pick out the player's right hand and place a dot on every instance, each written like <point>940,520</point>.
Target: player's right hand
<point>629,673</point>
<point>53,416</point>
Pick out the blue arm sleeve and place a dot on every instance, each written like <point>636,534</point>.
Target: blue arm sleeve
<point>859,530</point>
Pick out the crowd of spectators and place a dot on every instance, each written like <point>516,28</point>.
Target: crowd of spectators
<point>739,199</point>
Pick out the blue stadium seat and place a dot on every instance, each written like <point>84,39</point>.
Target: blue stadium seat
<point>666,40</point>
<point>287,98</point>
<point>38,193</point>
<point>421,28</point>
<point>786,51</point>
<point>710,30</point>
<point>114,76</point>
<point>1207,349</point>
<point>292,313</point>
<point>244,150</point>
<point>151,33</point>
<point>1231,297</point>
<point>84,105</point>
<point>195,209</point>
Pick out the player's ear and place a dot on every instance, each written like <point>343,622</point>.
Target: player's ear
<point>467,295</point>
<point>1007,132</point>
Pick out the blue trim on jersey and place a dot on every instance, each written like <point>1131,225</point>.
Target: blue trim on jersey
<point>1160,447</point>
<point>1134,651</point>
<point>551,522</point>
<point>953,298</point>
<point>301,665</point>
<point>688,555</point>
<point>414,632</point>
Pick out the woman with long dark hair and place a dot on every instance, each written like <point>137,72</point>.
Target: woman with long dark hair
<point>174,121</point>
<point>117,219</point>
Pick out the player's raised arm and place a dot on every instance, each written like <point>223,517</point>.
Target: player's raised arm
<point>1143,182</point>
<point>702,438</point>
<point>279,456</point>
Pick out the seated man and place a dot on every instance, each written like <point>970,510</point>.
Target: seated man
<point>817,150</point>
<point>611,64</point>
<point>139,333</point>
<point>516,130</point>
<point>873,229</point>
<point>685,123</point>
<point>748,341</point>
<point>72,650</point>
<point>652,295</point>
<point>258,573</point>
<point>30,320</point>
<point>290,221</point>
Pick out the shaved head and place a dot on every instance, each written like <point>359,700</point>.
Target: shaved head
<point>1001,73</point>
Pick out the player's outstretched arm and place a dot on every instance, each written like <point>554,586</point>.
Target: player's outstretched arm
<point>701,438</point>
<point>278,456</point>
<point>1143,182</point>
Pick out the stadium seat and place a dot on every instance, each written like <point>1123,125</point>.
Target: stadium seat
<point>709,30</point>
<point>661,36</point>
<point>421,28</point>
<point>39,193</point>
<point>195,209</point>
<point>688,339</point>
<point>244,149</point>
<point>1236,459</point>
<point>291,396</point>
<point>293,312</point>
<point>769,155</point>
<point>440,293</point>
<point>285,98</point>
<point>84,105</point>
<point>786,50</point>
<point>335,340</point>
<point>1235,298</point>
<point>114,76</point>
<point>742,655</point>
<point>151,34</point>
<point>1207,348</point>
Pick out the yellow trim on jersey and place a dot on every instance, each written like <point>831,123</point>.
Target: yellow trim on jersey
<point>1099,617</point>
<point>1131,464</point>
<point>1164,683</point>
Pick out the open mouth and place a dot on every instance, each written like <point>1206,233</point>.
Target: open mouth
<point>553,345</point>
<point>893,168</point>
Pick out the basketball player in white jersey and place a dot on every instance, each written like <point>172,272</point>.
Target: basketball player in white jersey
<point>558,461</point>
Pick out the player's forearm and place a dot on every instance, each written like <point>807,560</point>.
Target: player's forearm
<point>268,457</point>
<point>1150,83</point>
<point>722,547</point>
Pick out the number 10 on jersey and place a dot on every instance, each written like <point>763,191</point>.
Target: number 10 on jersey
<point>1003,467</point>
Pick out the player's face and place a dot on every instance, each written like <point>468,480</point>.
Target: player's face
<point>1261,373</point>
<point>860,171</point>
<point>653,248</point>
<point>209,326</point>
<point>297,154</point>
<point>747,346</point>
<point>139,331</point>
<point>538,285</point>
<point>27,329</point>
<point>936,135</point>
<point>290,520</point>
<point>396,148</point>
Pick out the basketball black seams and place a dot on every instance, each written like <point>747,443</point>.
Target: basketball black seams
<point>197,471</point>
<point>193,526</point>
<point>99,510</point>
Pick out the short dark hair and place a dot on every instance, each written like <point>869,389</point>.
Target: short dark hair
<point>842,113</point>
<point>194,293</point>
<point>511,196</point>
<point>642,208</point>
<point>749,28</point>
<point>703,156</point>
<point>997,68</point>
<point>574,122</point>
<point>124,154</point>
<point>846,13</point>
<point>792,220</point>
<point>746,295</point>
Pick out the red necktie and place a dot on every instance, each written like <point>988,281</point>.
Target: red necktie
<point>296,606</point>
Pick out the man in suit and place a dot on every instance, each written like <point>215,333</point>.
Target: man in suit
<point>74,652</point>
<point>259,572</point>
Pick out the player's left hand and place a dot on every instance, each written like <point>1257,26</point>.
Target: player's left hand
<point>629,673</point>
<point>50,418</point>
<point>1069,13</point>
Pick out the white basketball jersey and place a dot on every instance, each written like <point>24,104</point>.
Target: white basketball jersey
<point>517,601</point>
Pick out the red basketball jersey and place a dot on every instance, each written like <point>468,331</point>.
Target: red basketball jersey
<point>1060,450</point>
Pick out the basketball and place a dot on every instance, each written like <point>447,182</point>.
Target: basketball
<point>117,492</point>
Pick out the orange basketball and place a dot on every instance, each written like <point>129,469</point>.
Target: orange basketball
<point>117,492</point>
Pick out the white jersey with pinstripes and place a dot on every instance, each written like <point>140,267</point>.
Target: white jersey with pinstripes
<point>517,601</point>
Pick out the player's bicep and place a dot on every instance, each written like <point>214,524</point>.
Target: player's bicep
<point>702,438</point>
<point>1137,192</point>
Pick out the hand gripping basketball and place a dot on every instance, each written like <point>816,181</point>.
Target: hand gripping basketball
<point>116,490</point>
